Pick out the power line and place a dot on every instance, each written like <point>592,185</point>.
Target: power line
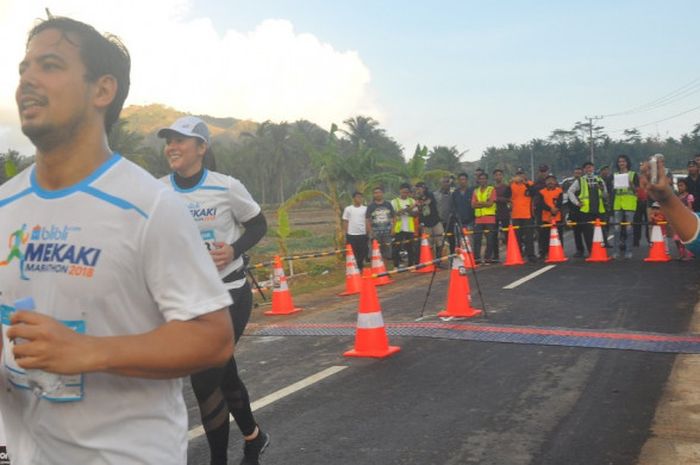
<point>681,93</point>
<point>659,121</point>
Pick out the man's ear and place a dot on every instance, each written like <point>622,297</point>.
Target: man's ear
<point>105,91</point>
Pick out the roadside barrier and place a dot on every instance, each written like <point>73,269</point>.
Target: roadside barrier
<point>371,339</point>
<point>353,281</point>
<point>556,249</point>
<point>599,253</point>
<point>657,251</point>
<point>281,296</point>
<point>459,298</point>
<point>378,265</point>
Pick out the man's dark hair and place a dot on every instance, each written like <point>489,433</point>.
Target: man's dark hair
<point>356,193</point>
<point>497,170</point>
<point>626,158</point>
<point>550,176</point>
<point>463,174</point>
<point>692,163</point>
<point>483,175</point>
<point>378,188</point>
<point>588,163</point>
<point>405,185</point>
<point>101,55</point>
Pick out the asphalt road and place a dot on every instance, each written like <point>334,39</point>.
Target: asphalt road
<point>466,402</point>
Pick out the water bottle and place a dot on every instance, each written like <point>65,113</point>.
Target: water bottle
<point>40,382</point>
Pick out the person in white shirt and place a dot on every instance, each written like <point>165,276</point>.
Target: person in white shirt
<point>355,228</point>
<point>120,300</point>
<point>230,223</point>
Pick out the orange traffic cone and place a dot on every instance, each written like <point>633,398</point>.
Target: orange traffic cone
<point>459,298</point>
<point>556,250</point>
<point>657,252</point>
<point>513,255</point>
<point>469,261</point>
<point>371,339</point>
<point>598,252</point>
<point>353,280</point>
<point>281,297</point>
<point>378,265</point>
<point>426,255</point>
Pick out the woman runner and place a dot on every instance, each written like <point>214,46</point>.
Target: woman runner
<point>230,223</point>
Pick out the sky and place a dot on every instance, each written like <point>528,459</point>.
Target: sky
<point>458,73</point>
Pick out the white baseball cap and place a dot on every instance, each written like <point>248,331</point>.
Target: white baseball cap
<point>189,126</point>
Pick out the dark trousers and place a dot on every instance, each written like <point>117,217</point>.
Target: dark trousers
<point>576,216</point>
<point>525,236</point>
<point>404,241</point>
<point>587,218</point>
<point>501,236</point>
<point>358,242</point>
<point>491,234</point>
<point>640,216</point>
<point>220,391</point>
<point>545,234</point>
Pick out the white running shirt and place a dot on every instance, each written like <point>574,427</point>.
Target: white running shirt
<point>119,252</point>
<point>356,217</point>
<point>219,204</point>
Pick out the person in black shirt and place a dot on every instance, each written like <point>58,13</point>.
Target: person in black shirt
<point>461,210</point>
<point>380,220</point>
<point>429,217</point>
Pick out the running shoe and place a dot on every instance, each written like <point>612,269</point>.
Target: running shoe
<point>252,450</point>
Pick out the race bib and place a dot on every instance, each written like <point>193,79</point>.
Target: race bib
<point>209,238</point>
<point>49,386</point>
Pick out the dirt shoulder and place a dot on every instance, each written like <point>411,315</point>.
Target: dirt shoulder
<point>676,426</point>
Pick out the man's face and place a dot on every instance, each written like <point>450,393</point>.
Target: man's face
<point>578,172</point>
<point>53,96</point>
<point>404,192</point>
<point>605,172</point>
<point>697,160</point>
<point>551,183</point>
<point>588,169</point>
<point>420,191</point>
<point>693,169</point>
<point>378,195</point>
<point>482,180</point>
<point>445,184</point>
<point>463,181</point>
<point>498,177</point>
<point>357,199</point>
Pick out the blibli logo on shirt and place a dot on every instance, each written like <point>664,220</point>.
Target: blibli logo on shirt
<point>200,213</point>
<point>47,249</point>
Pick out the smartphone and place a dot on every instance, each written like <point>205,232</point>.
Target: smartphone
<point>654,165</point>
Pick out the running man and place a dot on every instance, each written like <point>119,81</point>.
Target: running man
<point>126,271</point>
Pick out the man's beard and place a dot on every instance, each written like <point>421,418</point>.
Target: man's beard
<point>46,138</point>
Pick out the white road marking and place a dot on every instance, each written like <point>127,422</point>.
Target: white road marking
<point>527,278</point>
<point>277,395</point>
<point>422,318</point>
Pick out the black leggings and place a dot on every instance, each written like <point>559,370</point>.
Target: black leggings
<point>220,390</point>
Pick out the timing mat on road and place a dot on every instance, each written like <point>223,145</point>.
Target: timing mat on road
<point>597,339</point>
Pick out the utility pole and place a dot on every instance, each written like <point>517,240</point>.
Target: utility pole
<point>590,134</point>
<point>532,163</point>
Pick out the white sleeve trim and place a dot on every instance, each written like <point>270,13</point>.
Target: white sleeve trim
<point>697,232</point>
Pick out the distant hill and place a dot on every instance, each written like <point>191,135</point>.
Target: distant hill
<point>147,119</point>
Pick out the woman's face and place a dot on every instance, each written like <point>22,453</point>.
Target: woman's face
<point>622,163</point>
<point>184,154</point>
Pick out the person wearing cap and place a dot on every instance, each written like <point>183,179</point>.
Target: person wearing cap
<point>120,300</point>
<point>230,222</point>
<point>624,205</point>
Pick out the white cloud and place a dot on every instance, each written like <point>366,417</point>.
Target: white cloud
<point>179,59</point>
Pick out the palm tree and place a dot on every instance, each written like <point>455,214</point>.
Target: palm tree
<point>445,158</point>
<point>416,170</point>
